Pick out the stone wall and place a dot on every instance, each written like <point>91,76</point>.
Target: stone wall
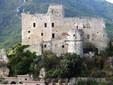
<point>35,48</point>
<point>75,42</point>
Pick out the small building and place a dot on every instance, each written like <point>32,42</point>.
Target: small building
<point>18,79</point>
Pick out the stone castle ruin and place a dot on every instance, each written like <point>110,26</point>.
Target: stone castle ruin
<point>54,32</point>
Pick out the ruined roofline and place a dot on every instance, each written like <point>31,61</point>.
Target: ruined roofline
<point>84,17</point>
<point>60,6</point>
<point>55,7</point>
<point>35,14</point>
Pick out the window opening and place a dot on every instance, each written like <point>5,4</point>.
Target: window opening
<point>45,24</point>
<point>28,31</point>
<point>53,35</point>
<point>63,46</point>
<point>52,24</point>
<point>41,34</point>
<point>34,24</point>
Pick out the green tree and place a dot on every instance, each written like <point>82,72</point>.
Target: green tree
<point>49,61</point>
<point>71,65</point>
<point>20,60</point>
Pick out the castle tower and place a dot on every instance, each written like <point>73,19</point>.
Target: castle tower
<point>75,42</point>
<point>56,10</point>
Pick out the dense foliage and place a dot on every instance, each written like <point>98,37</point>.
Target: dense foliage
<point>72,65</point>
<point>10,10</point>
<point>65,66</point>
<point>92,82</point>
<point>20,60</point>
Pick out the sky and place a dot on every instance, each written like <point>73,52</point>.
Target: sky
<point>110,1</point>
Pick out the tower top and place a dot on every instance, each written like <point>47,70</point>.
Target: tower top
<point>56,9</point>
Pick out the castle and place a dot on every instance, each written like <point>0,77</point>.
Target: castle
<point>54,32</point>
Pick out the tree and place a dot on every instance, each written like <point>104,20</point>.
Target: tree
<point>71,65</point>
<point>49,61</point>
<point>19,60</point>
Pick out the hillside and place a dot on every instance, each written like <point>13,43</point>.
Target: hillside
<point>10,14</point>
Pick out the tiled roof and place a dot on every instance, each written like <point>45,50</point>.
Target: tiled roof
<point>23,76</point>
<point>29,81</point>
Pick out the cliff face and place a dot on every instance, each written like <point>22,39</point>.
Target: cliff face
<point>3,56</point>
<point>4,71</point>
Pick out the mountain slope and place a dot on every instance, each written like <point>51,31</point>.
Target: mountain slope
<point>10,14</point>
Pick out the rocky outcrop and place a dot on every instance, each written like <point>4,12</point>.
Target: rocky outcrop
<point>3,56</point>
<point>42,73</point>
<point>4,71</point>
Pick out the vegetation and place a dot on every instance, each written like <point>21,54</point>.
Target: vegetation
<point>65,66</point>
<point>72,65</point>
<point>20,60</point>
<point>92,82</point>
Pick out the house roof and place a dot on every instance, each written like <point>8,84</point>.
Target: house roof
<point>30,81</point>
<point>23,76</point>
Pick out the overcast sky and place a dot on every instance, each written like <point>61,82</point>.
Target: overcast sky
<point>110,1</point>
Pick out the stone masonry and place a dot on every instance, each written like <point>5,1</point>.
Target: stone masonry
<point>54,32</point>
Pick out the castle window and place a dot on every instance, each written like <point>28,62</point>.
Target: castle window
<point>28,31</point>
<point>20,82</point>
<point>45,46</point>
<point>34,24</point>
<point>41,34</point>
<point>25,78</point>
<point>53,35</point>
<point>28,37</point>
<point>45,24</point>
<point>83,26</point>
<point>74,35</point>
<point>77,27</point>
<point>63,46</point>
<point>52,24</point>
<point>88,36</point>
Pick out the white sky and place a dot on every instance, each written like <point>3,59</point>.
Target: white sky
<point>110,1</point>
